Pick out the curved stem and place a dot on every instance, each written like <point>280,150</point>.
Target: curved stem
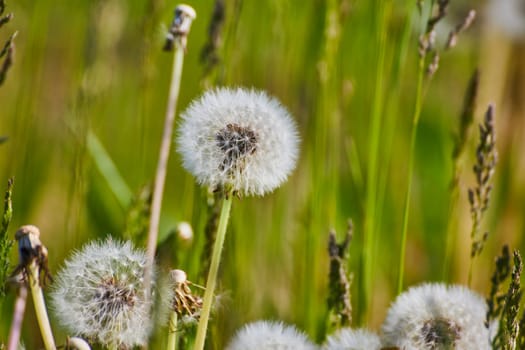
<point>212,274</point>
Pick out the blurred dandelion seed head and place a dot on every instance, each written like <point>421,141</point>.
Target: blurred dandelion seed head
<point>508,16</point>
<point>265,335</point>
<point>99,294</point>
<point>436,316</point>
<point>350,339</point>
<point>238,139</point>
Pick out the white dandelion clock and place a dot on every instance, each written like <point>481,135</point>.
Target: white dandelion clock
<point>265,335</point>
<point>508,16</point>
<point>99,294</point>
<point>437,317</point>
<point>350,339</point>
<point>241,140</point>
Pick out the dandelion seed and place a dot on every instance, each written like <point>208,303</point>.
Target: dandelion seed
<point>350,339</point>
<point>100,295</point>
<point>238,139</point>
<point>265,335</point>
<point>437,317</point>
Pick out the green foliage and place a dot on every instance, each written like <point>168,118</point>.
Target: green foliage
<point>7,51</point>
<point>6,243</point>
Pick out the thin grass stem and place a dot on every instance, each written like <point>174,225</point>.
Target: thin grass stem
<point>40,306</point>
<point>109,171</point>
<point>212,274</point>
<point>411,156</point>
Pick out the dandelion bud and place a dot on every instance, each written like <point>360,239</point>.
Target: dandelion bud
<point>99,294</point>
<point>240,140</point>
<point>264,335</point>
<point>178,276</point>
<point>184,231</point>
<point>436,316</point>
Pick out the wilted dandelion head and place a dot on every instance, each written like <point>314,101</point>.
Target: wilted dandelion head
<point>265,335</point>
<point>238,139</point>
<point>350,339</point>
<point>99,294</point>
<point>437,317</point>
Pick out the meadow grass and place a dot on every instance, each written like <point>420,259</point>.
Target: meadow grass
<point>82,107</point>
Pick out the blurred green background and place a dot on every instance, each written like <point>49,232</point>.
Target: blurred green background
<point>99,66</point>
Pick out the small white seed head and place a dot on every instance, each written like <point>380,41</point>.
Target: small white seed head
<point>264,335</point>
<point>184,231</point>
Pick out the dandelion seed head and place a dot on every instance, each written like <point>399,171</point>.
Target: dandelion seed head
<point>437,317</point>
<point>350,339</point>
<point>265,335</point>
<point>99,294</point>
<point>238,139</point>
<point>508,16</point>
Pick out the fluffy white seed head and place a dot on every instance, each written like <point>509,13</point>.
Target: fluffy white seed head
<point>99,294</point>
<point>508,16</point>
<point>437,317</point>
<point>350,339</point>
<point>265,335</point>
<point>238,139</point>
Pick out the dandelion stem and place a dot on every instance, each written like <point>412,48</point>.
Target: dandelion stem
<point>212,274</point>
<point>40,306</point>
<point>172,332</point>
<point>160,177</point>
<point>18,317</point>
<point>415,122</point>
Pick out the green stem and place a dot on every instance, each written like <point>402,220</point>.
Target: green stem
<point>172,332</point>
<point>212,274</point>
<point>162,166</point>
<point>40,307</point>
<point>451,225</point>
<point>415,122</point>
<point>470,271</point>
